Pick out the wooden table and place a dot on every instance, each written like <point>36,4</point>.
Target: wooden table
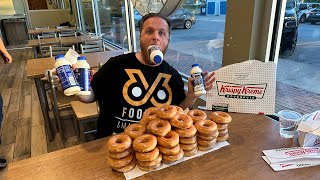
<point>37,67</point>
<point>249,135</point>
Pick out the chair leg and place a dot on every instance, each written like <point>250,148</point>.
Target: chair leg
<point>82,137</point>
<point>76,126</point>
<point>57,116</point>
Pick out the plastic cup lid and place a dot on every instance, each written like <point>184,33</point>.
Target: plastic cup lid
<point>193,65</point>
<point>82,58</point>
<point>291,115</point>
<point>157,59</point>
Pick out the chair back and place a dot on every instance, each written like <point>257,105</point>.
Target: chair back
<point>47,34</point>
<point>92,46</point>
<point>40,28</point>
<point>67,33</point>
<point>44,48</point>
<point>55,50</point>
<point>61,27</point>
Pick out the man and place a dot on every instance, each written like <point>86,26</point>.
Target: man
<point>7,59</point>
<point>128,84</point>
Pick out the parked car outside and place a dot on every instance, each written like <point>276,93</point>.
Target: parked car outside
<point>180,18</point>
<point>304,10</point>
<point>314,16</point>
<point>290,29</point>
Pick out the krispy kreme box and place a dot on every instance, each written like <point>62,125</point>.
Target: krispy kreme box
<point>309,130</point>
<point>247,87</point>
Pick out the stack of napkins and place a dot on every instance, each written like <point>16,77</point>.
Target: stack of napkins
<point>292,158</point>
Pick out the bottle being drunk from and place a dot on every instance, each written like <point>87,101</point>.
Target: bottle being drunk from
<point>155,54</point>
<point>198,82</point>
<point>66,76</point>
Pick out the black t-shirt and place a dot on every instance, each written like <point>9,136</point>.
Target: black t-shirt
<point>124,88</point>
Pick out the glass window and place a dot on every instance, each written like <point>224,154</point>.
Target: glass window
<point>87,16</point>
<point>48,4</point>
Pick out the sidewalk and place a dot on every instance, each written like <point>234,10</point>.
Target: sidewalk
<point>287,96</point>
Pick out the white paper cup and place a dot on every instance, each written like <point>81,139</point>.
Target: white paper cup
<point>289,121</point>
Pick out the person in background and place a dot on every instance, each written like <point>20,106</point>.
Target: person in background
<point>128,84</point>
<point>7,60</point>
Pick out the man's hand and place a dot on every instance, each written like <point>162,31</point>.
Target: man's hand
<point>208,82</point>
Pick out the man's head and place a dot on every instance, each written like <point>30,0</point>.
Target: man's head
<point>154,30</point>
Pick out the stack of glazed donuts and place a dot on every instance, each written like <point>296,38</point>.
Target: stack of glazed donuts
<point>183,125</point>
<point>120,153</point>
<point>165,135</point>
<point>222,120</point>
<point>147,153</point>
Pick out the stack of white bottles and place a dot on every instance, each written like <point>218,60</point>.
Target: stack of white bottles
<point>155,54</point>
<point>66,76</point>
<point>198,82</point>
<point>82,73</point>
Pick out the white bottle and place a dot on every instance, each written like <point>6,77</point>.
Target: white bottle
<point>82,73</point>
<point>155,54</point>
<point>66,76</point>
<point>198,82</point>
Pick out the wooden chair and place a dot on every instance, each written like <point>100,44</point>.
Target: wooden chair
<point>44,48</point>
<point>84,113</point>
<point>92,46</point>
<point>40,28</point>
<point>55,50</point>
<point>67,33</point>
<point>47,34</point>
<point>58,101</point>
<point>62,27</point>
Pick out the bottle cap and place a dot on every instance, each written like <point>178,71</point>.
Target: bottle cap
<point>157,59</point>
<point>193,65</point>
<point>82,58</point>
<point>59,56</point>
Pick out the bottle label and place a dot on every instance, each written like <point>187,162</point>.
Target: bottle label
<point>198,83</point>
<point>83,78</point>
<point>66,76</point>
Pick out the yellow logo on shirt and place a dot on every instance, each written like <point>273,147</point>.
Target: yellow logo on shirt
<point>136,91</point>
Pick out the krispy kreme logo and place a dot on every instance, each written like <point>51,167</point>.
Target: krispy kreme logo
<point>241,91</point>
<point>302,151</point>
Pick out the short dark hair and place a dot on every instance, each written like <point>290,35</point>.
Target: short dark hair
<point>150,15</point>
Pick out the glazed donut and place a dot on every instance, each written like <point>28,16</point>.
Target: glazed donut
<point>171,158</point>
<point>169,151</point>
<point>148,156</point>
<point>197,115</point>
<point>223,132</point>
<point>208,137</point>
<point>190,140</point>
<point>120,155</point>
<point>118,143</point>
<point>159,127</point>
<point>220,117</point>
<point>119,163</point>
<point>206,126</point>
<point>135,130</point>
<point>179,109</point>
<point>145,143</point>
<point>190,153</point>
<point>127,168</point>
<point>148,168</point>
<point>186,133</point>
<point>222,126</point>
<point>223,138</point>
<point>181,121</point>
<point>188,147</point>
<point>205,148</point>
<point>169,140</point>
<point>151,163</point>
<point>166,112</point>
<point>207,143</point>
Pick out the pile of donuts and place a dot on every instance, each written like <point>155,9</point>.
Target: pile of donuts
<point>166,134</point>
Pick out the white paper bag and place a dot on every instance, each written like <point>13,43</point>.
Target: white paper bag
<point>247,87</point>
<point>309,130</point>
<point>72,56</point>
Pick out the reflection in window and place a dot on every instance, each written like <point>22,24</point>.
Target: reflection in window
<point>48,4</point>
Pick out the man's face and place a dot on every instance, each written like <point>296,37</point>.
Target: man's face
<point>155,32</point>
